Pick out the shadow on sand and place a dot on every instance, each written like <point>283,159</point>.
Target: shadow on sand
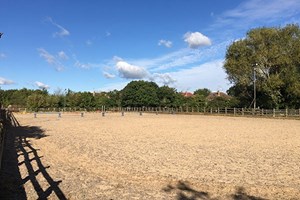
<point>186,192</point>
<point>17,143</point>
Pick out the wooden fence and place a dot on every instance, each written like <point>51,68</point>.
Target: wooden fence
<point>278,113</point>
<point>2,134</point>
<point>247,112</point>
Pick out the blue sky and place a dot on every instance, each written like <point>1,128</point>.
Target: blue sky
<point>103,45</point>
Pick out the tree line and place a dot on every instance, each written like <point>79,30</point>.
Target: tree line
<point>135,94</point>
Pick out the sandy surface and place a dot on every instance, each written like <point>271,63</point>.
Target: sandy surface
<point>161,157</point>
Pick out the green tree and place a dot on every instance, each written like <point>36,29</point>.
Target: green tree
<point>274,54</point>
<point>179,99</point>
<point>166,96</point>
<point>86,100</point>
<point>52,101</point>
<point>114,98</point>
<point>140,93</point>
<point>102,99</point>
<point>203,92</point>
<point>36,101</point>
<point>200,97</point>
<point>223,102</point>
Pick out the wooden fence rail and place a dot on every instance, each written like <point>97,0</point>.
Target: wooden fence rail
<point>250,112</point>
<point>288,113</point>
<point>2,134</point>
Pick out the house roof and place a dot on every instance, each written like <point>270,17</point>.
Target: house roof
<point>214,95</point>
<point>187,94</point>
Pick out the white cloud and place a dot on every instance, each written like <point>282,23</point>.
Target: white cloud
<point>255,11</point>
<point>117,59</point>
<point>41,85</point>
<point>167,61</point>
<point>88,65</point>
<point>83,65</point>
<point>62,31</point>
<point>196,40</point>
<point>165,43</point>
<point>52,60</point>
<point>2,55</point>
<point>108,75</point>
<point>189,57</point>
<point>47,56</point>
<point>62,55</point>
<point>129,71</point>
<point>181,58</point>
<point>4,81</point>
<point>165,78</point>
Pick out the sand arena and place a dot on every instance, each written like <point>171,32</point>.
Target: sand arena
<point>158,157</point>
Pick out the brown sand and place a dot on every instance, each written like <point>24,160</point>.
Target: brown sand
<point>164,156</point>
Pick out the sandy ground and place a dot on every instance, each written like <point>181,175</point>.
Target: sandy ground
<point>159,157</point>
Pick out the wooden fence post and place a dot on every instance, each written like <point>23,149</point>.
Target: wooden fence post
<point>286,112</point>
<point>234,111</point>
<point>225,110</point>
<point>274,114</point>
<point>243,113</point>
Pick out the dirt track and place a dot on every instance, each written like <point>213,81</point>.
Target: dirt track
<point>160,157</point>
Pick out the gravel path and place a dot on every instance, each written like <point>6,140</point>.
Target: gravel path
<point>159,157</point>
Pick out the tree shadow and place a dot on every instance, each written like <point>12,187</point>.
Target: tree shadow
<point>241,194</point>
<point>185,192</point>
<point>17,143</point>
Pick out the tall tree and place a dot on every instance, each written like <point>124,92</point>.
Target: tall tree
<point>140,93</point>
<point>274,54</point>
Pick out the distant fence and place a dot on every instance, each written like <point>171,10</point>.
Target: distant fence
<point>247,112</point>
<point>287,113</point>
